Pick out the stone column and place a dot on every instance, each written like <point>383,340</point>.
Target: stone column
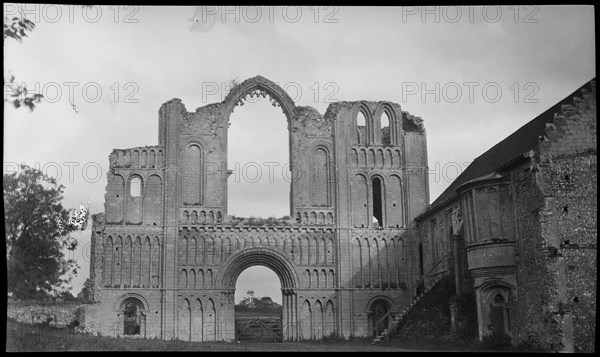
<point>286,315</point>
<point>295,324</point>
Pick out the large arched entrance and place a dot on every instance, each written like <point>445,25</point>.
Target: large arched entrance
<point>288,278</point>
<point>258,310</point>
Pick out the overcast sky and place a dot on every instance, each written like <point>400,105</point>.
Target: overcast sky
<point>474,75</point>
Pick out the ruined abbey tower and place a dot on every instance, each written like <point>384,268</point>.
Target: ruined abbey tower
<point>166,255</point>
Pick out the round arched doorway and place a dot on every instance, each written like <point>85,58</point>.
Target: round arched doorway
<point>379,317</point>
<point>258,310</point>
<point>281,266</point>
<point>133,315</point>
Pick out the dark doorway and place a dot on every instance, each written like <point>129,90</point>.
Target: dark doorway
<point>133,317</point>
<point>379,316</point>
<point>497,316</point>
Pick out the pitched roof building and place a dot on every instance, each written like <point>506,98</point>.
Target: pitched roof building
<point>518,229</point>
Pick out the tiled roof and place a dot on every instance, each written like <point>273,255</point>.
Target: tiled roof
<point>518,143</point>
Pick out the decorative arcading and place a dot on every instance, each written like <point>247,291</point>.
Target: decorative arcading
<point>375,157</point>
<point>263,228</point>
<point>201,216</point>
<point>146,157</point>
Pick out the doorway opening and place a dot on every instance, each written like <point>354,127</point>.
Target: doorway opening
<point>258,310</point>
<point>379,317</point>
<point>134,318</point>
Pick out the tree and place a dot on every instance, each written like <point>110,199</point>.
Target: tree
<point>263,304</point>
<point>17,28</point>
<point>36,235</point>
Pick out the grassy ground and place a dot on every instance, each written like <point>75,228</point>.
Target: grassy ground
<point>25,337</point>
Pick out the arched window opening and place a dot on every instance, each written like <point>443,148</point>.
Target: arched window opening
<point>499,299</point>
<point>377,203</point>
<point>192,162</point>
<point>135,187</point>
<point>386,138</point>
<point>259,172</point>
<point>361,129</point>
<point>134,319</point>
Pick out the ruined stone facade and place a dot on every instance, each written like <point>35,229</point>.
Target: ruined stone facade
<point>518,228</point>
<point>166,256</point>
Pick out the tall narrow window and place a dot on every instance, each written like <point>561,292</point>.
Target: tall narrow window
<point>135,189</point>
<point>386,139</point>
<point>377,203</point>
<point>319,185</point>
<point>192,175</point>
<point>360,190</point>
<point>361,129</point>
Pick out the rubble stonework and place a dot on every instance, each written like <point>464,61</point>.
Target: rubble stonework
<point>528,210</point>
<point>166,261</point>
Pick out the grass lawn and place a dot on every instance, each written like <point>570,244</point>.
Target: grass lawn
<point>26,337</point>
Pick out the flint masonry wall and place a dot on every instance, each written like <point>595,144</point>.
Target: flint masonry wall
<point>530,231</point>
<point>556,209</point>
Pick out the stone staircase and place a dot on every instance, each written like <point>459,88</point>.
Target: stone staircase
<point>398,318</point>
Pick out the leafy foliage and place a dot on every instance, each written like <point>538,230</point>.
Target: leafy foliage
<point>36,263</point>
<point>254,304</point>
<point>258,221</point>
<point>20,95</point>
<point>17,28</point>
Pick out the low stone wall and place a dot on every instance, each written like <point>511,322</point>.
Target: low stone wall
<point>55,314</point>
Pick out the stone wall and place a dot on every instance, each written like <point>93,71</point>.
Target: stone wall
<point>347,246</point>
<point>557,223</point>
<point>530,231</point>
<point>56,314</point>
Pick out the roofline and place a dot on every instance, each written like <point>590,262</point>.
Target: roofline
<point>555,108</point>
<point>437,207</point>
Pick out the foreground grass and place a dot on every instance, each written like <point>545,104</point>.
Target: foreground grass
<point>26,337</point>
